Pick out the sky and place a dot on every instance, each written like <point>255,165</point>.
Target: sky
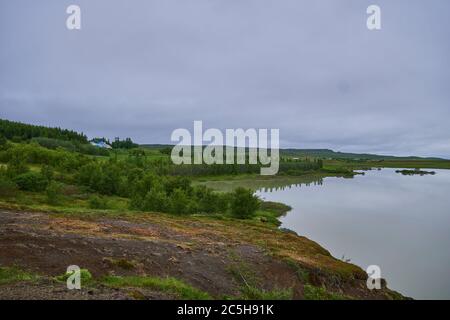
<point>311,69</point>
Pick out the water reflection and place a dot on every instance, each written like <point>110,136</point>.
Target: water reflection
<point>401,223</point>
<point>266,184</point>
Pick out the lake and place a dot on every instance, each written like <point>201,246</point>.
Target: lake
<point>400,223</point>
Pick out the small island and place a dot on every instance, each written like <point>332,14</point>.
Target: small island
<point>415,172</point>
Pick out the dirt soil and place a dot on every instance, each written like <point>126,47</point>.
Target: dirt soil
<point>201,252</point>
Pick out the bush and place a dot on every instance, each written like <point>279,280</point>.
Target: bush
<point>180,203</point>
<point>157,201</point>
<point>31,181</point>
<point>181,183</point>
<point>50,143</point>
<point>53,192</point>
<point>96,202</point>
<point>7,186</point>
<point>3,142</point>
<point>16,167</point>
<point>243,203</point>
<point>210,201</point>
<point>47,171</point>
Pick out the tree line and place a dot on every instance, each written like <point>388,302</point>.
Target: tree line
<point>17,131</point>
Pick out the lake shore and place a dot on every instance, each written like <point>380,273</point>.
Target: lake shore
<point>214,258</point>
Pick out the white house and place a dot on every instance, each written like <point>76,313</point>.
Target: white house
<point>101,144</point>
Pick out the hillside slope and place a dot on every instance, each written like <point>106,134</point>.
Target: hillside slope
<point>216,258</point>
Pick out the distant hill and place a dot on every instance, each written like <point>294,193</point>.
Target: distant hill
<point>319,153</point>
<point>328,153</point>
<point>45,135</point>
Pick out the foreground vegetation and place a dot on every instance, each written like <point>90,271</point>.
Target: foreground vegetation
<point>179,256</point>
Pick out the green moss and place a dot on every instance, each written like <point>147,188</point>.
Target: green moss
<point>168,285</point>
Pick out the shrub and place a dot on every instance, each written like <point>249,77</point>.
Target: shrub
<point>31,181</point>
<point>3,142</point>
<point>16,167</point>
<point>180,203</point>
<point>47,171</point>
<point>156,200</point>
<point>181,183</point>
<point>7,186</point>
<point>210,201</point>
<point>54,143</point>
<point>96,202</point>
<point>243,203</point>
<point>53,192</point>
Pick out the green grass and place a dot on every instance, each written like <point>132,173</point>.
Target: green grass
<point>302,273</point>
<point>169,285</point>
<point>391,163</point>
<point>318,293</point>
<point>253,293</point>
<point>12,274</point>
<point>70,204</point>
<point>121,263</point>
<point>250,282</point>
<point>85,277</point>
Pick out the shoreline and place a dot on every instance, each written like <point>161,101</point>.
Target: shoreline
<point>289,265</point>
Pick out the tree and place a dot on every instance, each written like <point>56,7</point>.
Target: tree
<point>243,203</point>
<point>123,144</point>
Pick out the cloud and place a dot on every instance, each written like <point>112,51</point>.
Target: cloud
<point>310,68</point>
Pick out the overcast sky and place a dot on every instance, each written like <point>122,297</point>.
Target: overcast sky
<point>310,68</point>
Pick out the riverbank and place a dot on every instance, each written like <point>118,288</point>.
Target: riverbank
<point>154,256</point>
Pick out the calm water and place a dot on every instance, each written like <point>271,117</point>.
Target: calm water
<point>400,223</point>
